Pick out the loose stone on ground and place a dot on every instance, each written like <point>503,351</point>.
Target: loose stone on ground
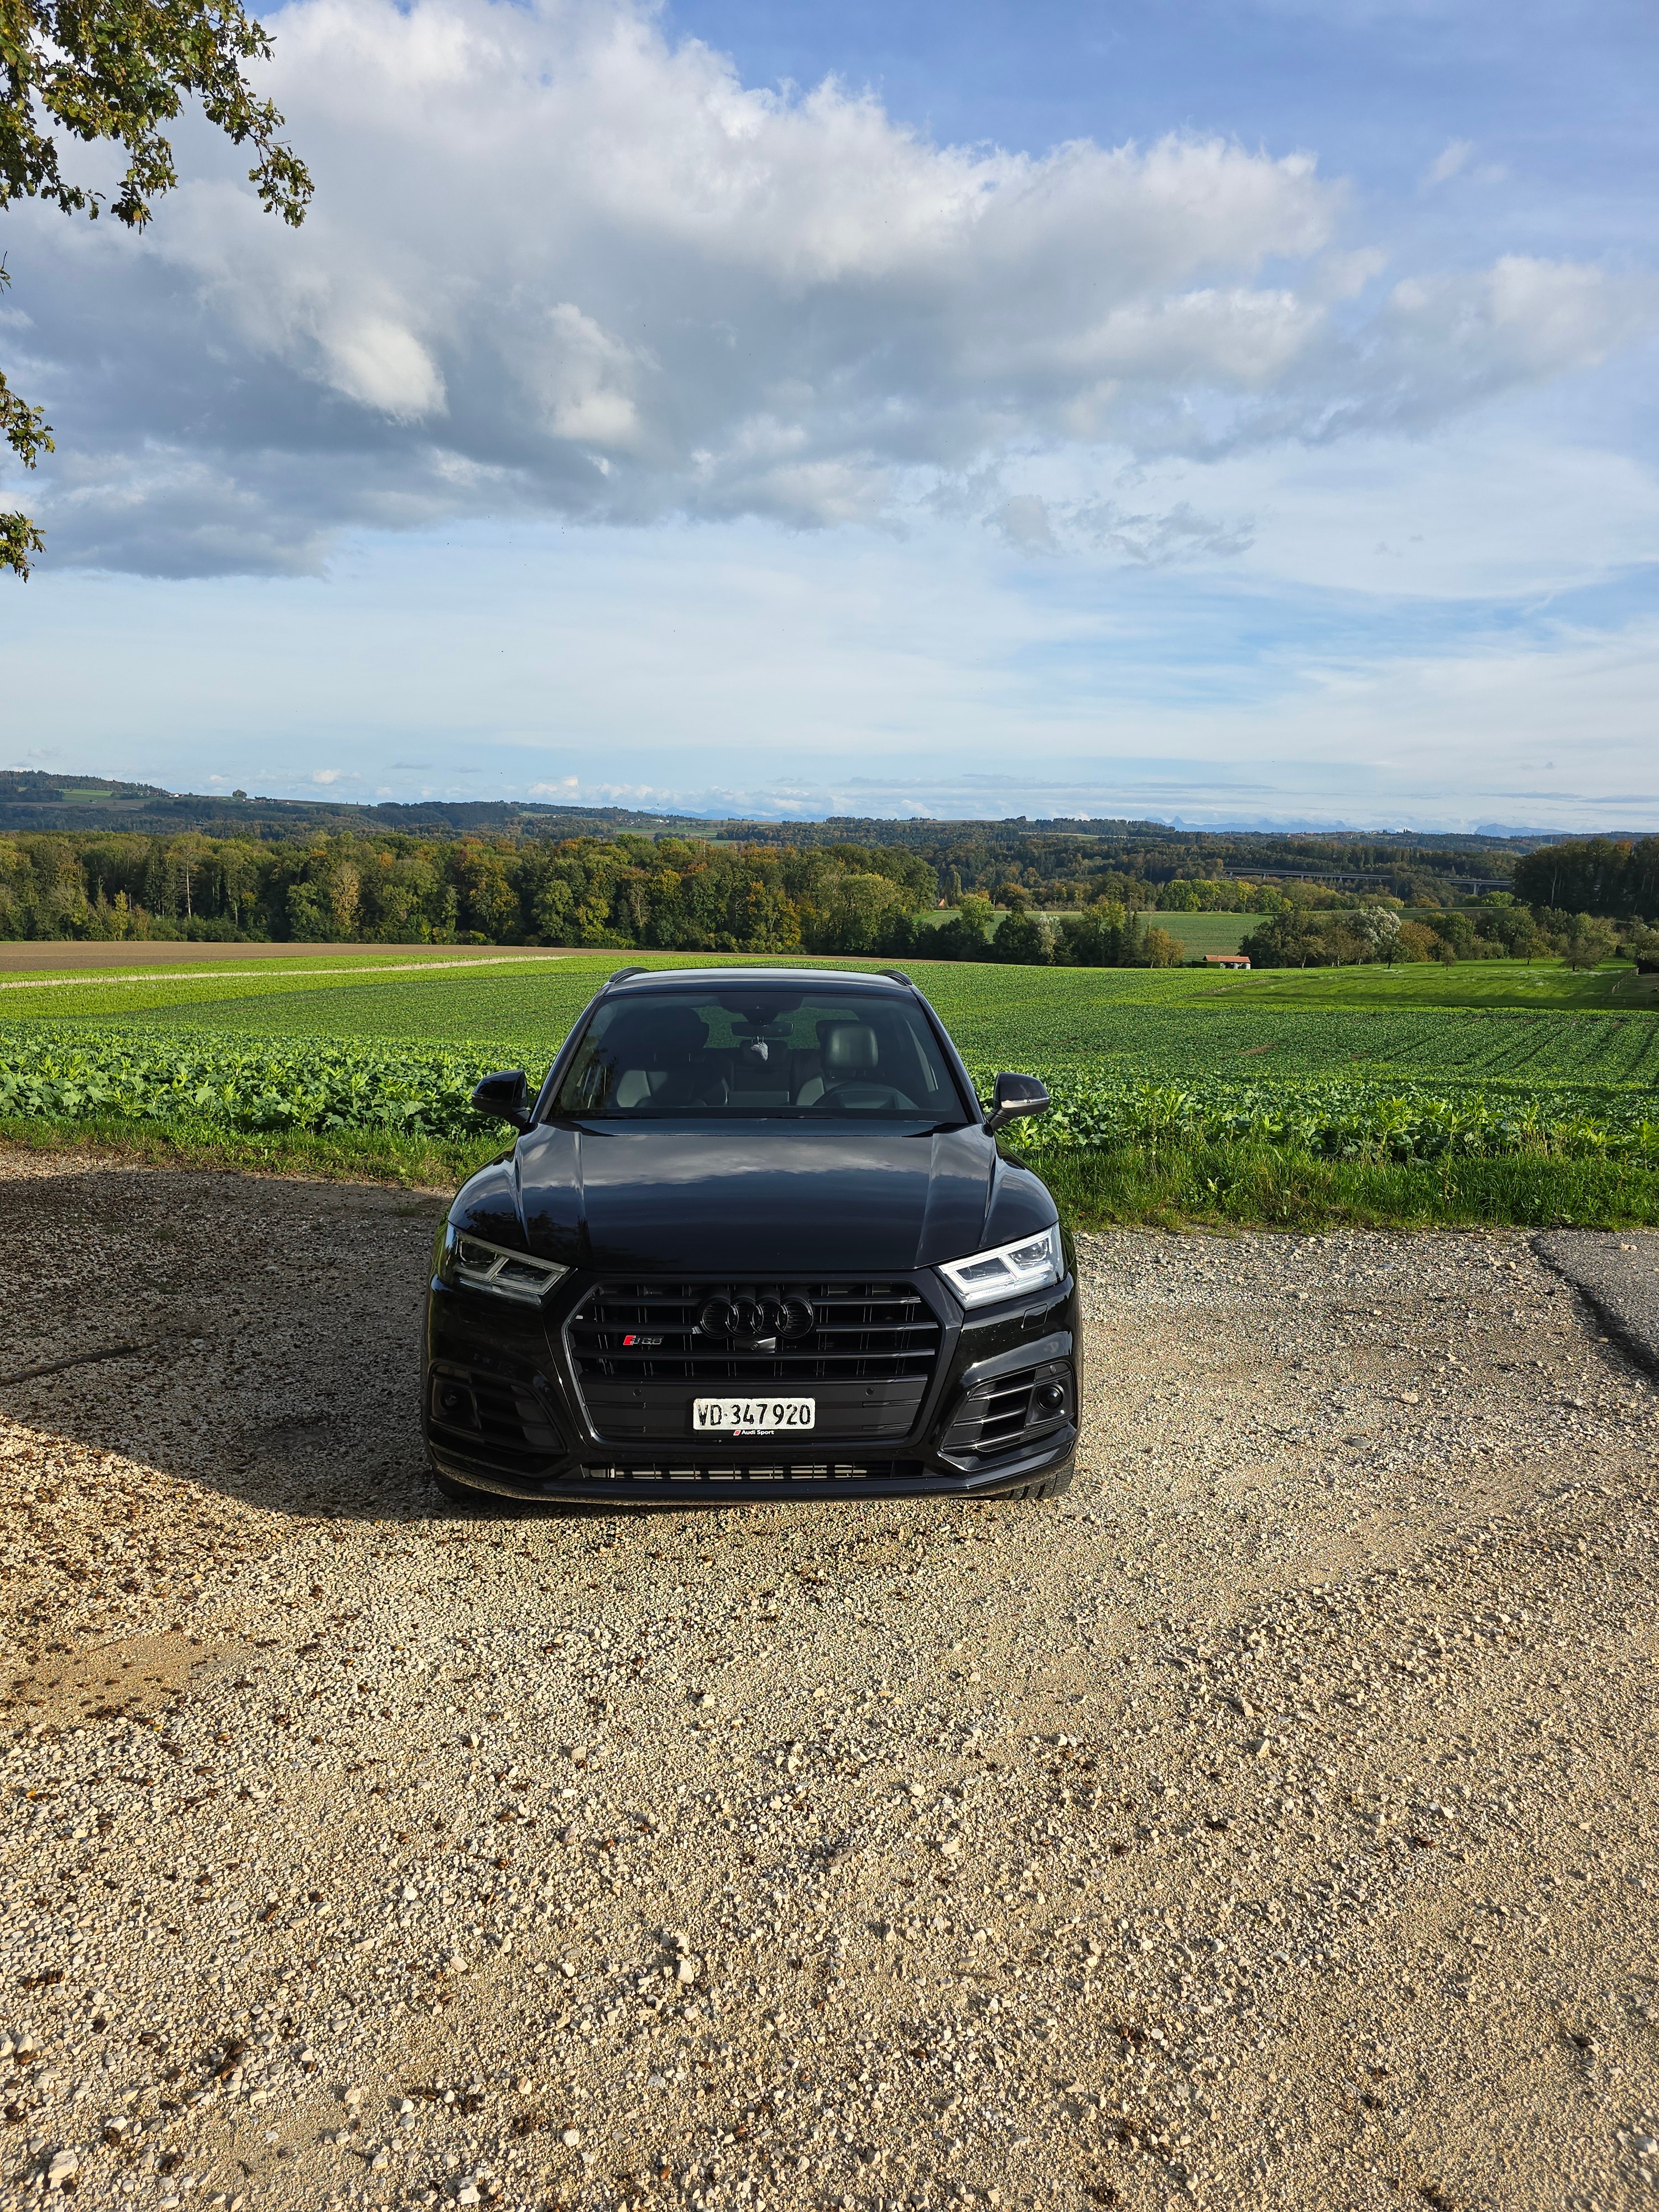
<point>1270,1823</point>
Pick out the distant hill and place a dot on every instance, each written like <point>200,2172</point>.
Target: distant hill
<point>30,800</point>
<point>966,854</point>
<point>1130,836</point>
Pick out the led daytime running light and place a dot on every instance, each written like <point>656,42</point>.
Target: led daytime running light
<point>1007,1270</point>
<point>471,1261</point>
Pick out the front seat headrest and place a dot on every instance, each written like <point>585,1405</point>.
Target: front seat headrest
<point>851,1045</point>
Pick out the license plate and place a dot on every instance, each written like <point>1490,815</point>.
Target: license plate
<point>750,1417</point>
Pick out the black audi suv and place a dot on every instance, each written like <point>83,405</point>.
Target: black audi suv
<point>756,1238</point>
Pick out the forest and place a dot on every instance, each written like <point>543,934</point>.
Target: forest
<point>631,890</point>
<point>672,894</point>
<point>1612,876</point>
<point>660,894</point>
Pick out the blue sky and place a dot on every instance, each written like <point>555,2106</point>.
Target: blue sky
<point>1241,413</point>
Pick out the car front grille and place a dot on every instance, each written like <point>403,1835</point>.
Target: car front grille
<point>866,1359</point>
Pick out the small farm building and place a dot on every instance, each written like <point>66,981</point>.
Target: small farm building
<point>1227,960</point>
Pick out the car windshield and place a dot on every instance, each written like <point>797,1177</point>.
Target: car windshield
<point>759,1050</point>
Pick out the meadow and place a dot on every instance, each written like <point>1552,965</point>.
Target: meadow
<point>1207,932</point>
<point>1199,932</point>
<point>1490,1090</point>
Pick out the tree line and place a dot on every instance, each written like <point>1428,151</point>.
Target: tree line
<point>1150,865</point>
<point>665,894</point>
<point>670,893</point>
<point>681,894</point>
<point>1615,876</point>
<point>1497,929</point>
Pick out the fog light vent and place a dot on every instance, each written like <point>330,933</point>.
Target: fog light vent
<point>453,1405</point>
<point>1010,1411</point>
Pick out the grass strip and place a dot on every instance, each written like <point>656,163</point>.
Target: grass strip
<point>340,1156</point>
<point>1242,1184</point>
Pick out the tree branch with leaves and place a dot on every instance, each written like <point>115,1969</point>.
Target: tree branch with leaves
<point>119,71</point>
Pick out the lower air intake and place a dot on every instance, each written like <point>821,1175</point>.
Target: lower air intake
<point>803,1472</point>
<point>1010,1412</point>
<point>469,1409</point>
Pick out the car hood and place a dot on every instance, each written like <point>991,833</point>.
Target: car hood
<point>761,1198</point>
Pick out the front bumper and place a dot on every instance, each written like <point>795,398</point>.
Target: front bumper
<point>505,1413</point>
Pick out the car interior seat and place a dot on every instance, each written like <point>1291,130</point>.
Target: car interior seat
<point>850,1051</point>
<point>659,1059</point>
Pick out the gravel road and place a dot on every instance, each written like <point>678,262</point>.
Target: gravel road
<point>1270,1822</point>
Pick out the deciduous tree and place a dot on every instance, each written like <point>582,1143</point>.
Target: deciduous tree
<point>1158,948</point>
<point>1287,940</point>
<point>1588,943</point>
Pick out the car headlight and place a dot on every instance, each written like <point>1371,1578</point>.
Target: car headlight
<point>468,1261</point>
<point>1007,1269</point>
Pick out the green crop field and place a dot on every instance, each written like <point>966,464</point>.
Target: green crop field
<point>1199,932</point>
<point>1207,932</point>
<point>1162,1021</point>
<point>1384,1079</point>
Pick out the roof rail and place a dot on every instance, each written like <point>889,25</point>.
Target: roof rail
<point>897,975</point>
<point>621,976</point>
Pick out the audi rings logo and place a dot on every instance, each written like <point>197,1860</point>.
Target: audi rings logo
<point>756,1320</point>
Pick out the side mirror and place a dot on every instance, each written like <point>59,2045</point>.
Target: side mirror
<point>1016,1095</point>
<point>505,1097</point>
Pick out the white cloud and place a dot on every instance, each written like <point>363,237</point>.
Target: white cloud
<point>557,265</point>
<point>1449,162</point>
<point>1454,161</point>
<point>1521,321</point>
<point>1027,522</point>
<point>1024,522</point>
<point>1158,540</point>
<point>373,359</point>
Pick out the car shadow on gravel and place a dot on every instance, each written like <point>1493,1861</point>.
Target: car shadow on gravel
<point>255,1336</point>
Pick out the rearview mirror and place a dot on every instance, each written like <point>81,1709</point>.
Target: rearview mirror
<point>505,1097</point>
<point>1016,1095</point>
